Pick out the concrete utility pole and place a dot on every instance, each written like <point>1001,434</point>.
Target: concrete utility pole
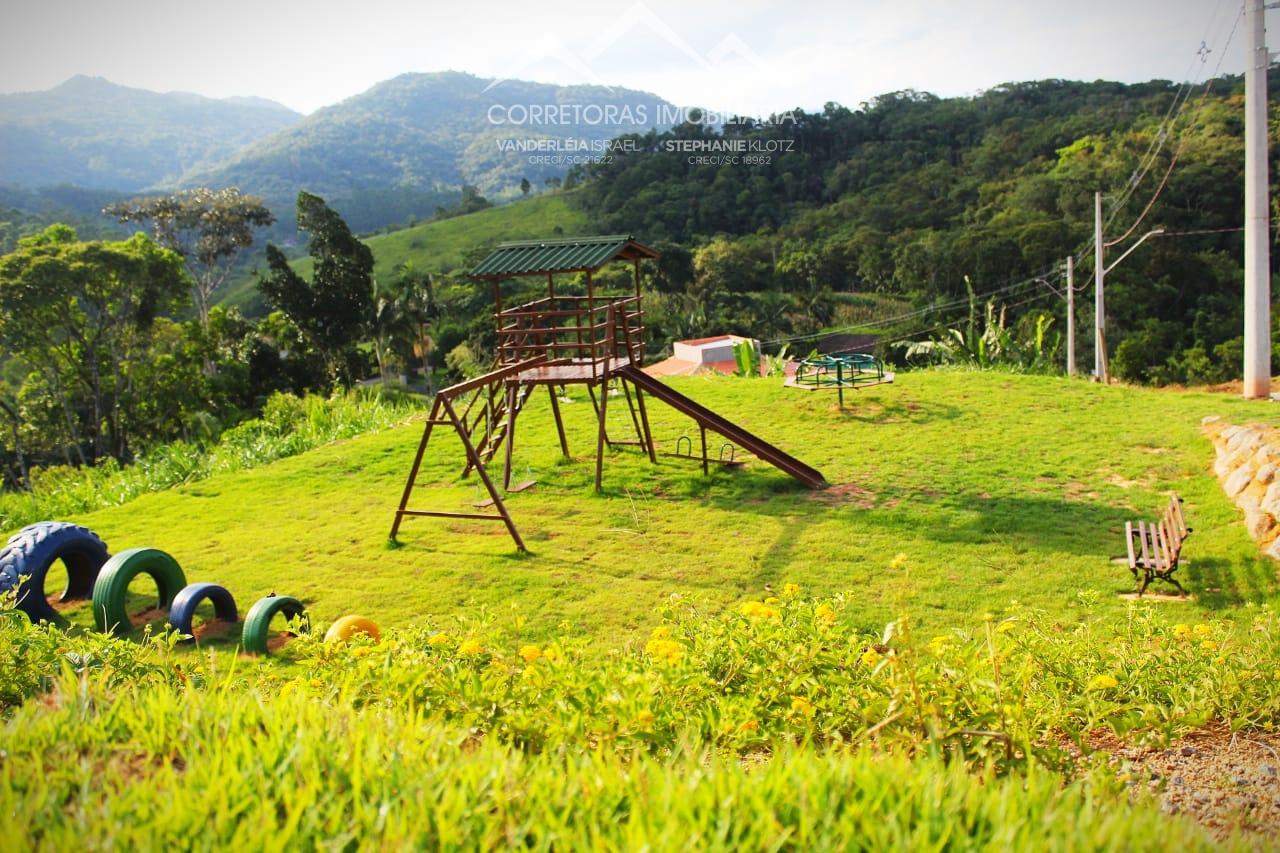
<point>1257,225</point>
<point>1071,316</point>
<point>1099,336</point>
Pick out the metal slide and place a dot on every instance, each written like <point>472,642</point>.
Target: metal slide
<point>779,459</point>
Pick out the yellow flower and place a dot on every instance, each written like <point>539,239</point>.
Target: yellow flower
<point>665,650</point>
<point>1208,645</point>
<point>870,658</point>
<point>644,719</point>
<point>1102,682</point>
<point>1203,630</point>
<point>1181,631</point>
<point>470,647</point>
<point>898,562</point>
<point>790,590</point>
<point>1006,627</point>
<point>438,639</point>
<point>825,613</point>
<point>551,654</point>
<point>757,610</point>
<point>751,725</point>
<point>771,600</point>
<point>530,653</point>
<point>938,644</point>
<point>360,651</point>
<point>801,706</point>
<point>660,633</point>
<point>317,684</point>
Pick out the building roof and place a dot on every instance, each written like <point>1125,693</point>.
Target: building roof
<point>574,254</point>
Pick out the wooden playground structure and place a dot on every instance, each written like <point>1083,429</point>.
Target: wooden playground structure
<point>555,341</point>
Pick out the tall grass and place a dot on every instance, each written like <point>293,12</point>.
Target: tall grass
<point>288,425</point>
<point>470,738</point>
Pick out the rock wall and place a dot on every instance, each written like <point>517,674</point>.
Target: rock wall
<point>1248,466</point>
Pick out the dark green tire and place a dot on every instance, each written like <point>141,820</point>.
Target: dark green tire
<point>109,611</point>
<point>257,625</point>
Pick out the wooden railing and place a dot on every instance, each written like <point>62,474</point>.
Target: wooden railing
<point>574,328</point>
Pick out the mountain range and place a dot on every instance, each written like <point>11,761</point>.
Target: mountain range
<point>415,139</point>
<point>92,133</point>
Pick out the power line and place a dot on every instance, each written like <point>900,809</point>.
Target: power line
<point>1162,133</point>
<point>1182,139</point>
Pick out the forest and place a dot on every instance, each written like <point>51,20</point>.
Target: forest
<point>939,225</point>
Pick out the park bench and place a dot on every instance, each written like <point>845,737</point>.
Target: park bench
<point>1155,546</point>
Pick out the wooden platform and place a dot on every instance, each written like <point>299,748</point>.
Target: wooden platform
<point>576,372</point>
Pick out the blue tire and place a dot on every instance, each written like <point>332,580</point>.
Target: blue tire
<point>26,559</point>
<point>185,603</point>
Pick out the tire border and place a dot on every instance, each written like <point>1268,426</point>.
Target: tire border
<point>183,609</point>
<point>109,612</point>
<point>257,624</point>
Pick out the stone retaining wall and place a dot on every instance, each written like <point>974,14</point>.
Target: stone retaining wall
<point>1248,466</point>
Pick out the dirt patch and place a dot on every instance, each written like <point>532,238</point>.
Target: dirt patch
<point>1224,780</point>
<point>212,629</point>
<point>1074,491</point>
<point>151,614</point>
<point>278,642</point>
<point>60,605</point>
<point>846,493</point>
<point>1117,480</point>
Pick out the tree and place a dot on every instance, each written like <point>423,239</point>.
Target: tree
<point>80,316</point>
<point>525,186</point>
<point>208,228</point>
<point>334,309</point>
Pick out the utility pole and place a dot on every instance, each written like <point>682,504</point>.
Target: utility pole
<point>1099,272</point>
<point>1071,316</point>
<point>1257,256</point>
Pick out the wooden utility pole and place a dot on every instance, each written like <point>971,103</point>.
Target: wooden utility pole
<point>1099,272</point>
<point>1257,256</point>
<point>1071,316</point>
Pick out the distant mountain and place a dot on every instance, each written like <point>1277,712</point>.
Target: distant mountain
<point>92,133</point>
<point>434,131</point>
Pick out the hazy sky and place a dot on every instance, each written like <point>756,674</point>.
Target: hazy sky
<point>748,56</point>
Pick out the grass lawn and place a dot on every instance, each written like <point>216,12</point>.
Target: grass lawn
<point>441,245</point>
<point>996,487</point>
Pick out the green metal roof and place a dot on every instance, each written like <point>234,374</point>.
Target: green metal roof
<point>574,254</point>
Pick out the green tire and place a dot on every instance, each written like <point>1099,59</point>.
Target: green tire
<point>109,611</point>
<point>257,625</point>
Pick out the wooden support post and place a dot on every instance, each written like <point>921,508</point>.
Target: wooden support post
<point>510,437</point>
<point>591,321</point>
<point>703,430</point>
<point>635,420</point>
<point>417,463</point>
<point>555,410</point>
<point>600,436</point>
<point>644,422</point>
<point>595,404</point>
<point>484,476</point>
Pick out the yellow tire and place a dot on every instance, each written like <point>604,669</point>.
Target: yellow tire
<point>345,629</point>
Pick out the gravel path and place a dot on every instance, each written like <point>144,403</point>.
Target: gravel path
<point>1223,780</point>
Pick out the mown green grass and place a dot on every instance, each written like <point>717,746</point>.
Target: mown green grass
<point>997,488</point>
<point>441,245</point>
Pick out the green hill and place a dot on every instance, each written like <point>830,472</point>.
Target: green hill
<point>995,487</point>
<point>441,245</point>
<point>426,131</point>
<point>96,134</point>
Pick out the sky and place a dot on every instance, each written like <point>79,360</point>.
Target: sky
<point>751,57</point>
